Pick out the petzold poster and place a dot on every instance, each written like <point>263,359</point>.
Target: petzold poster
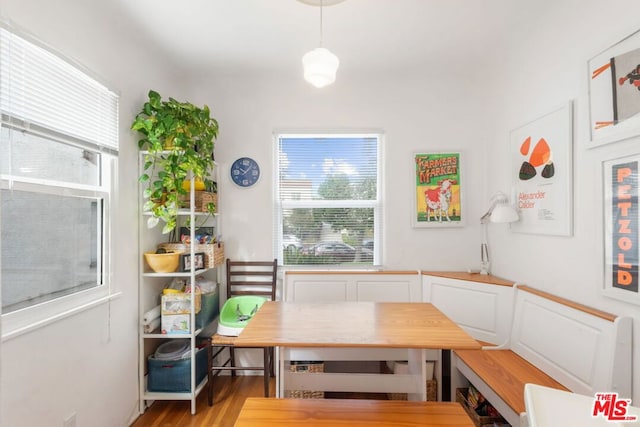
<point>621,227</point>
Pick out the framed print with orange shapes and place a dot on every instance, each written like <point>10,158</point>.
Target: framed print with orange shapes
<point>541,171</point>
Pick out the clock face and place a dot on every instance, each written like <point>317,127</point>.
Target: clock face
<point>245,172</point>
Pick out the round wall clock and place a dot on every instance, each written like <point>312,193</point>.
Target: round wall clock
<point>245,172</point>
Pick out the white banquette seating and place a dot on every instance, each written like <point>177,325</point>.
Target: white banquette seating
<point>532,337</point>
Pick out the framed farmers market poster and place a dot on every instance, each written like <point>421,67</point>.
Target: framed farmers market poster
<point>438,190</point>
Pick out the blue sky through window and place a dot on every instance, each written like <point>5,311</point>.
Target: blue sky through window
<point>315,158</point>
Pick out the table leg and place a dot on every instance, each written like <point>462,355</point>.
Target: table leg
<point>279,367</point>
<point>446,376</point>
<point>416,365</point>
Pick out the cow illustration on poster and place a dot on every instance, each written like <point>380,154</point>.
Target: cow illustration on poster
<point>438,201</point>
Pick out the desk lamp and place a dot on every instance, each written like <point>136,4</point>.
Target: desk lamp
<point>499,212</point>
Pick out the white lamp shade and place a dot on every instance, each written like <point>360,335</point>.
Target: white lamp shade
<point>504,213</point>
<point>320,67</point>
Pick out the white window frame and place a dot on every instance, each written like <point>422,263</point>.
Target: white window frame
<point>377,205</point>
<point>21,321</point>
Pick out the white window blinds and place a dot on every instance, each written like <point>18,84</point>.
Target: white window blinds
<point>329,204</point>
<point>43,90</point>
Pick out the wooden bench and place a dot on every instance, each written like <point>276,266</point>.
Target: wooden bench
<point>263,412</point>
<point>553,342</point>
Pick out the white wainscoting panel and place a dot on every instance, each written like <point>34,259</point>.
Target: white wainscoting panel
<point>483,309</point>
<point>334,286</point>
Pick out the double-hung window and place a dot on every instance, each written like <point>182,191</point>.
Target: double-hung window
<point>328,199</point>
<point>58,163</point>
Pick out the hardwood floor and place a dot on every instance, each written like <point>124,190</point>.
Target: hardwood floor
<point>229,395</point>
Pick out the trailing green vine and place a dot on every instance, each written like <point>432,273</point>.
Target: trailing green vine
<point>178,140</point>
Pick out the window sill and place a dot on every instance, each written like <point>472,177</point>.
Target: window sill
<point>332,268</point>
<point>24,321</point>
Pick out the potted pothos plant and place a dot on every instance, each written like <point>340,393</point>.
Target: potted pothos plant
<point>178,140</point>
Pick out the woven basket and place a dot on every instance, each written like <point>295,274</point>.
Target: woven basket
<point>305,367</point>
<point>478,420</point>
<point>432,392</point>
<point>202,199</point>
<point>431,386</point>
<point>214,252</point>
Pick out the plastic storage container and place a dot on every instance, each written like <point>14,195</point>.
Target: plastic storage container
<point>210,308</point>
<point>174,375</point>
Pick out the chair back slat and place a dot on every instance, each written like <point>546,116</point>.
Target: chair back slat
<point>265,293</point>
<point>252,278</point>
<point>266,274</point>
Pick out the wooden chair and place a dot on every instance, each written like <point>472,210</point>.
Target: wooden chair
<point>243,278</point>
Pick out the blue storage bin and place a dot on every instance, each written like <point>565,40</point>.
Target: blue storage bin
<point>175,375</point>
<point>209,308</point>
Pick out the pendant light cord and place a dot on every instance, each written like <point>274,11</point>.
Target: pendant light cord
<point>321,1</point>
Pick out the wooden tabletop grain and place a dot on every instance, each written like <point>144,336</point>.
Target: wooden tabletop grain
<point>263,412</point>
<point>353,324</point>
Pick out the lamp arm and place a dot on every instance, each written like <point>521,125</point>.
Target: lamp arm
<point>485,262</point>
<point>485,218</point>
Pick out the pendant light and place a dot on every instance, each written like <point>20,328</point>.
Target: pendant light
<point>320,65</point>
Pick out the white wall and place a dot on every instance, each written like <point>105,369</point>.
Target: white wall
<point>420,111</point>
<point>546,66</point>
<point>88,363</point>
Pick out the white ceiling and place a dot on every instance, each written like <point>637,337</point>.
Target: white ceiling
<point>364,34</point>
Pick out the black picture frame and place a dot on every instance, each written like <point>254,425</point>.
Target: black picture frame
<point>185,261</point>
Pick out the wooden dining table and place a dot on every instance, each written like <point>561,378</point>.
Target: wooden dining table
<point>265,412</point>
<point>350,330</point>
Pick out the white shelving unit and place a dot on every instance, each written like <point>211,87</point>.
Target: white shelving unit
<point>150,287</point>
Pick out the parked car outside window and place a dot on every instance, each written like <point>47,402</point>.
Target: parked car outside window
<point>337,250</point>
<point>291,243</point>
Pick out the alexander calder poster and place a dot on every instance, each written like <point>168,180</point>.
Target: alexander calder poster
<point>541,172</point>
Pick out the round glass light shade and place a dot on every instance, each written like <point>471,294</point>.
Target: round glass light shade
<point>320,67</point>
<point>504,213</point>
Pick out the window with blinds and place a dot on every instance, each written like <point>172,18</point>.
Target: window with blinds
<point>328,199</point>
<point>58,163</point>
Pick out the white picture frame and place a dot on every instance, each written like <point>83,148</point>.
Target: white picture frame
<point>614,99</point>
<point>621,229</point>
<point>541,154</point>
<point>437,176</point>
